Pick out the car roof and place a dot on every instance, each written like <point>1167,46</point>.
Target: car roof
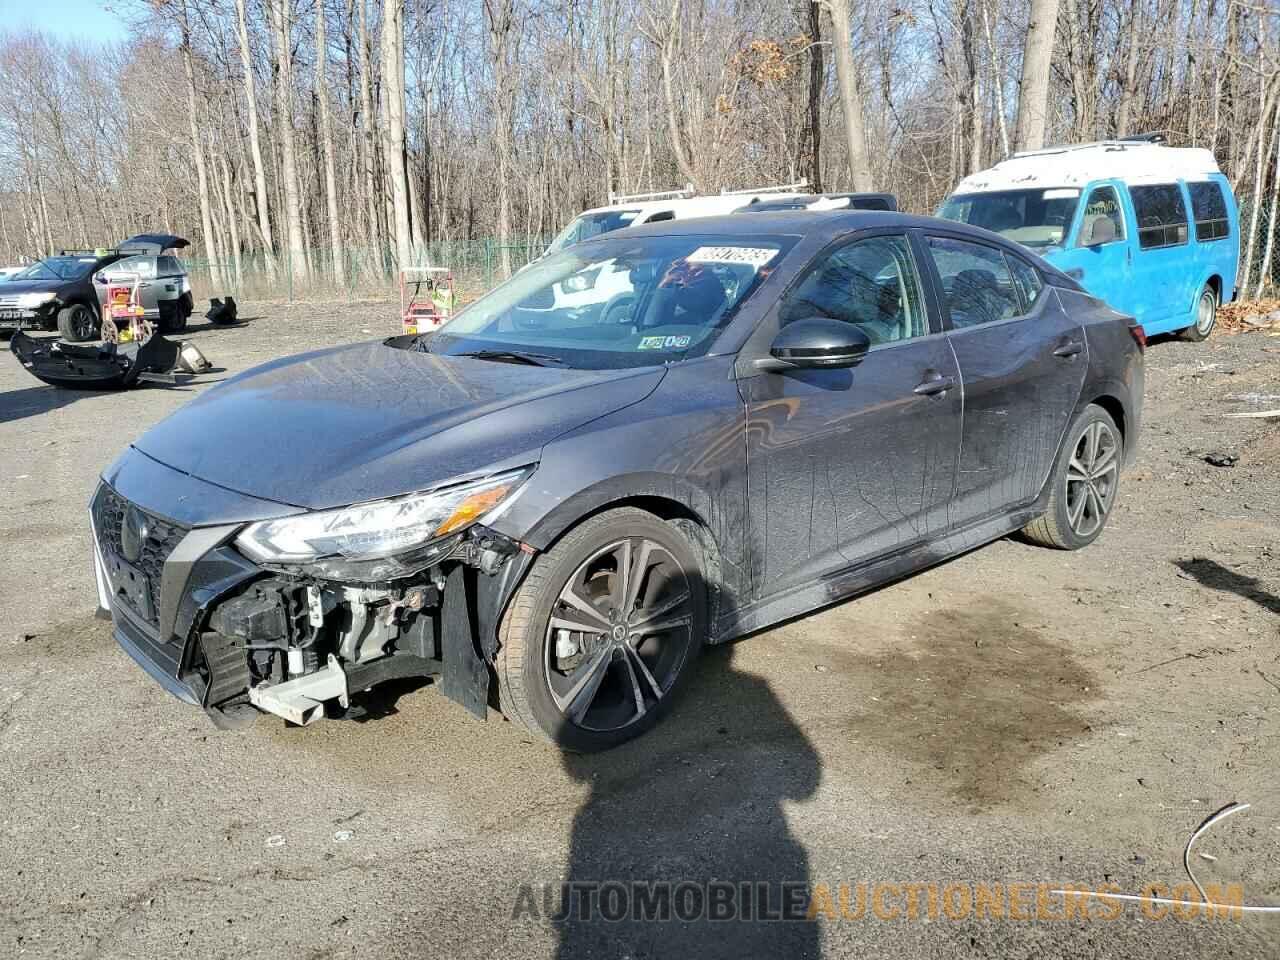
<point>1079,164</point>
<point>830,223</point>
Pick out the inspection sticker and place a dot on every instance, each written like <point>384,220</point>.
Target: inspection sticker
<point>755,257</point>
<point>664,343</point>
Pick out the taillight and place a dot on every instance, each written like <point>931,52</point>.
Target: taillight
<point>1139,335</point>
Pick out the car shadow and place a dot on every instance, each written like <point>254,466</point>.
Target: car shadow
<point>35,400</point>
<point>1215,576</point>
<point>682,846</point>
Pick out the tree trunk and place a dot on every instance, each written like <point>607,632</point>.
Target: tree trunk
<point>1037,59</point>
<point>197,148</point>
<point>261,203</point>
<point>850,97</point>
<point>326,138</point>
<point>393,126</point>
<point>288,151</point>
<point>500,20</point>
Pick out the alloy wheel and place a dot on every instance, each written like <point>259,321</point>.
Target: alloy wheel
<point>82,322</point>
<point>619,634</point>
<point>1091,478</point>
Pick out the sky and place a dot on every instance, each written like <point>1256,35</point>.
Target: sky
<point>67,19</point>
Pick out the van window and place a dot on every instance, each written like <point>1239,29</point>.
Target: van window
<point>1162,216</point>
<point>1103,222</point>
<point>976,281</point>
<point>1209,209</point>
<point>664,215</point>
<point>1034,218</point>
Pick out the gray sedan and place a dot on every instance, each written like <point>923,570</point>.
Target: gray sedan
<point>667,437</point>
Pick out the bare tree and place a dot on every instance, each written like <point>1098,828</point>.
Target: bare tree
<point>326,135</point>
<point>1037,61</point>
<point>261,206</point>
<point>850,96</point>
<point>282,15</point>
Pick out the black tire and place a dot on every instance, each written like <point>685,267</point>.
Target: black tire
<point>77,323</point>
<point>622,705</point>
<point>1206,316</point>
<point>1067,523</point>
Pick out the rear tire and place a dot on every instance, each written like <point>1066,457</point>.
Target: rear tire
<point>77,323</point>
<point>593,689</point>
<point>1206,316</point>
<point>1084,483</point>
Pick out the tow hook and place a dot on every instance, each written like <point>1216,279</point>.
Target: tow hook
<point>301,700</point>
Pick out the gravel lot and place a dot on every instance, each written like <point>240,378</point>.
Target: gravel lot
<point>1015,715</point>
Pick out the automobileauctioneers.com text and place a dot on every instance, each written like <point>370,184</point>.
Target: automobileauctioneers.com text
<point>687,901</point>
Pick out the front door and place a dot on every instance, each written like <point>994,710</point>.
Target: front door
<point>1022,362</point>
<point>1100,254</point>
<point>849,464</point>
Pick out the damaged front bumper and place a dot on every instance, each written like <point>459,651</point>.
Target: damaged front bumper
<point>220,631</point>
<point>93,366</point>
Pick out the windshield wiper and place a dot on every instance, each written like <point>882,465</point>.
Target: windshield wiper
<point>512,356</point>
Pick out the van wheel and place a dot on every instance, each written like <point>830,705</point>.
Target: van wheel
<point>77,323</point>
<point>603,632</point>
<point>1206,316</point>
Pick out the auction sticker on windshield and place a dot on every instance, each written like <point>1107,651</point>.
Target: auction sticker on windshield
<point>755,257</point>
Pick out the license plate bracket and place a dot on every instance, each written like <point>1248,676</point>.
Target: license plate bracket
<point>131,586</point>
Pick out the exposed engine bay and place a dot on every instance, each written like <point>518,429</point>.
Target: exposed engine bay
<point>299,647</point>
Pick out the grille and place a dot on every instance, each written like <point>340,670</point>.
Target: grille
<point>9,302</point>
<point>162,536</point>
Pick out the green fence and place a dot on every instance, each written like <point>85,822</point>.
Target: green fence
<point>476,266</point>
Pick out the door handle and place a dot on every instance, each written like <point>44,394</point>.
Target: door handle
<point>1068,349</point>
<point>934,386</point>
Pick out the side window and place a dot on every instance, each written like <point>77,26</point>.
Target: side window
<point>664,215</point>
<point>870,283</point>
<point>168,267</point>
<point>1209,210</point>
<point>1103,221</point>
<point>1162,216</point>
<point>1027,279</point>
<point>976,282</point>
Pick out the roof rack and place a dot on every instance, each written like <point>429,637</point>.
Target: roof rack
<point>95,252</point>
<point>685,191</point>
<point>782,188</point>
<point>1121,143</point>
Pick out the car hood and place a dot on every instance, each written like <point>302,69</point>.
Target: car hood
<point>369,420</point>
<point>11,288</point>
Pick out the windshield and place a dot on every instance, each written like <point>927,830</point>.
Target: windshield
<point>592,225</point>
<point>1033,218</point>
<point>616,303</point>
<point>58,268</point>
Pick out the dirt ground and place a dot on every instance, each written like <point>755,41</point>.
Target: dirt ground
<point>1016,715</point>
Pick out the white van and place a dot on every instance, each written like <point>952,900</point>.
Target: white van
<point>631,211</point>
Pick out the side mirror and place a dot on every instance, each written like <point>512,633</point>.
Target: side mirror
<point>815,343</point>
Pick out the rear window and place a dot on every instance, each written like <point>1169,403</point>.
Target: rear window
<point>1162,216</point>
<point>1209,208</point>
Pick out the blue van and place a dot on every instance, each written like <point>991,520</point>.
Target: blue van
<point>1152,230</point>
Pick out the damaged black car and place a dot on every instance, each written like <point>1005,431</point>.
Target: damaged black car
<point>666,437</point>
<point>56,293</point>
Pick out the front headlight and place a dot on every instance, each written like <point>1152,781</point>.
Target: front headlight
<point>31,301</point>
<point>381,528</point>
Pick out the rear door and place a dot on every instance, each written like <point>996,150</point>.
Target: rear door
<point>1022,362</point>
<point>849,464</point>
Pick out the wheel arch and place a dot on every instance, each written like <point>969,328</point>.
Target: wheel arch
<point>667,497</point>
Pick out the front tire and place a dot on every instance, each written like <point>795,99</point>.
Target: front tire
<point>77,323</point>
<point>602,634</point>
<point>1206,316</point>
<point>1084,483</point>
